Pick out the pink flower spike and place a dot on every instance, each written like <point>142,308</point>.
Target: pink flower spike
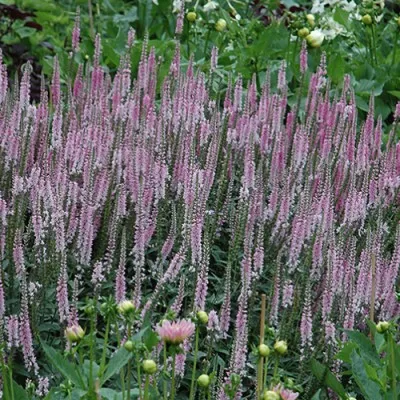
<point>175,332</point>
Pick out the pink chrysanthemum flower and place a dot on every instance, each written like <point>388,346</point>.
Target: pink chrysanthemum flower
<point>175,332</point>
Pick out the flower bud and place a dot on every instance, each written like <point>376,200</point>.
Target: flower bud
<point>263,350</point>
<point>235,379</point>
<point>203,381</point>
<point>366,19</point>
<point>74,333</point>
<point>89,310</point>
<point>126,307</point>
<point>351,398</point>
<point>149,367</point>
<point>382,326</point>
<point>191,16</point>
<point>280,347</point>
<point>271,395</point>
<point>303,32</point>
<point>398,21</point>
<point>310,19</point>
<point>220,25</point>
<point>128,345</point>
<point>315,38</point>
<point>202,316</point>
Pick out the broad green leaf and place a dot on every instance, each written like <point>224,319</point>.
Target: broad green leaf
<point>150,339</point>
<point>345,353</point>
<point>317,395</point>
<point>366,347</point>
<point>67,369</point>
<point>326,377</point>
<point>395,93</point>
<point>118,360</point>
<point>110,394</point>
<point>341,16</point>
<point>369,388</point>
<point>77,394</point>
<point>19,392</point>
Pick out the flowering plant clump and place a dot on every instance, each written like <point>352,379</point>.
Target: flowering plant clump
<point>180,200</point>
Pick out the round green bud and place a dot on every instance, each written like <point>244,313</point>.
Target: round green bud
<point>203,381</point>
<point>351,398</point>
<point>281,347</point>
<point>149,367</point>
<point>74,333</point>
<point>271,395</point>
<point>191,16</point>
<point>382,326</point>
<point>202,316</point>
<point>310,19</point>
<point>302,33</point>
<point>366,19</point>
<point>128,345</point>
<point>126,307</point>
<point>89,310</point>
<point>220,25</point>
<point>263,350</point>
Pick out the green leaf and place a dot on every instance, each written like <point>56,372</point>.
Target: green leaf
<point>19,392</point>
<point>326,377</point>
<point>118,360</point>
<point>345,353</point>
<point>370,389</point>
<point>150,339</point>
<point>67,369</point>
<point>395,93</point>
<point>316,395</point>
<point>336,68</point>
<point>341,16</point>
<point>366,347</point>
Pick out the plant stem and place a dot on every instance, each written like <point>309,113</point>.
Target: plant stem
<point>165,371</point>
<point>103,356</point>
<point>276,369</point>
<point>172,396</point>
<point>262,333</point>
<point>196,350</point>
<point>139,379</point>
<point>146,387</point>
<point>129,369</point>
<point>393,365</point>
<point>373,288</point>
<point>91,25</point>
<point>396,39</point>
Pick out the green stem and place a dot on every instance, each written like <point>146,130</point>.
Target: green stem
<point>196,350</point>
<point>396,39</point>
<point>265,372</point>
<point>128,390</point>
<point>172,396</point>
<point>259,378</point>
<point>146,387</point>
<point>393,365</point>
<point>139,378</point>
<point>207,40</point>
<point>276,369</point>
<point>165,371</point>
<point>103,356</point>
<point>91,351</point>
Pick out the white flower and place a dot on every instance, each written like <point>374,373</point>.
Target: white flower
<point>315,38</point>
<point>211,5</point>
